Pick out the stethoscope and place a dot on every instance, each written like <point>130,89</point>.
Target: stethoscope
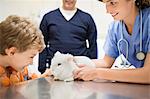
<point>140,55</point>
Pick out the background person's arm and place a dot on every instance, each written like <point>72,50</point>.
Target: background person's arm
<point>44,53</point>
<point>92,37</point>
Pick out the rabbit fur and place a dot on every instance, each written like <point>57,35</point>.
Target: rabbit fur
<point>63,65</point>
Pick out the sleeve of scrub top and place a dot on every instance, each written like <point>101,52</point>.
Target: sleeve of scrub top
<point>43,54</point>
<point>92,37</point>
<point>110,46</point>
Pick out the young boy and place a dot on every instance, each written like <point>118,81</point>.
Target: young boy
<point>20,41</point>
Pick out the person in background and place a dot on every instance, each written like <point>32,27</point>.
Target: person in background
<point>67,29</point>
<point>20,41</point>
<point>128,39</point>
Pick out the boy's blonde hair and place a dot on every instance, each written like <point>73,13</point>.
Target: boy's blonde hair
<point>21,33</point>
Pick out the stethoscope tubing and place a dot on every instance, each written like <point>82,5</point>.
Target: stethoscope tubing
<point>125,41</point>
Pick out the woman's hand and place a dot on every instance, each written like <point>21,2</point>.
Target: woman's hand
<point>85,73</point>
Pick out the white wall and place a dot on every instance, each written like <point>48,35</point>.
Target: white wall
<point>35,9</point>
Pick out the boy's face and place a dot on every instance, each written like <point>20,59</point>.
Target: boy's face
<point>19,60</point>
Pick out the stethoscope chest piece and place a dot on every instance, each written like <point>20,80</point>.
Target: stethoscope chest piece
<point>140,56</point>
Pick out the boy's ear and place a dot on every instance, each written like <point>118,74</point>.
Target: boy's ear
<point>11,51</point>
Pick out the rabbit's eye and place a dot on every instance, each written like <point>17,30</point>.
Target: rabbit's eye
<point>59,64</point>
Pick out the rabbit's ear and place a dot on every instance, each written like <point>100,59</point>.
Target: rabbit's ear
<point>70,58</point>
<point>57,53</point>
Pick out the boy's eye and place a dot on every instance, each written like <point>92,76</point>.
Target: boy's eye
<point>113,3</point>
<point>31,57</point>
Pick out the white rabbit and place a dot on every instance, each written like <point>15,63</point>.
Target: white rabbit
<point>63,65</point>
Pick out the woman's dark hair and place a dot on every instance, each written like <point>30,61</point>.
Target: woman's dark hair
<point>141,3</point>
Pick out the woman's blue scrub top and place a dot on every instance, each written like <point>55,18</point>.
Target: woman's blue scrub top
<point>114,35</point>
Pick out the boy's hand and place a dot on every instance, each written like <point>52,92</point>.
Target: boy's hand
<point>47,73</point>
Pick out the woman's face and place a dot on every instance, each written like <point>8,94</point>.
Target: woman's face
<point>119,9</point>
<point>69,4</point>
